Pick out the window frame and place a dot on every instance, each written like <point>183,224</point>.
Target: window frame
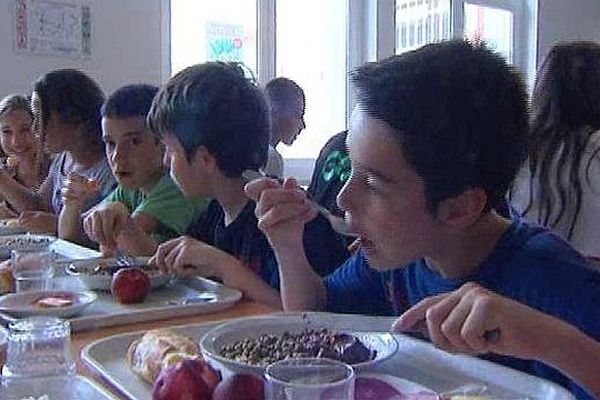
<point>371,36</point>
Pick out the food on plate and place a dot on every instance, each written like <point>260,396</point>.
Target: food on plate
<point>7,280</point>
<point>54,301</point>
<point>370,388</point>
<point>192,379</point>
<point>25,240</point>
<point>130,285</point>
<point>147,355</point>
<point>109,266</point>
<point>240,387</point>
<point>12,162</point>
<point>321,343</point>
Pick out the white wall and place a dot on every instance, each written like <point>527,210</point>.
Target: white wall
<point>126,37</point>
<point>561,20</point>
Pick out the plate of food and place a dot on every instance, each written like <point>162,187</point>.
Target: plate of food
<point>96,273</point>
<point>10,226</point>
<point>250,345</point>
<point>24,242</point>
<point>56,303</point>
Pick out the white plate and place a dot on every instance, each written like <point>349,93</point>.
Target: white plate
<point>22,304</point>
<point>56,388</point>
<point>11,226</point>
<point>383,343</point>
<point>25,242</point>
<point>82,270</point>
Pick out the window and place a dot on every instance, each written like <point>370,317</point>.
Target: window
<point>492,25</point>
<point>311,50</point>
<point>223,30</point>
<point>418,16</point>
<point>507,26</point>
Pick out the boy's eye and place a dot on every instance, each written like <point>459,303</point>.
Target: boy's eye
<point>136,141</point>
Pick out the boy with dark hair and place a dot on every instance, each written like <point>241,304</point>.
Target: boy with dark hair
<point>214,123</point>
<point>287,105</point>
<point>146,208</point>
<point>436,138</point>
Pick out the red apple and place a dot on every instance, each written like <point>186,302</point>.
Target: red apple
<point>180,381</point>
<point>130,285</point>
<point>240,387</point>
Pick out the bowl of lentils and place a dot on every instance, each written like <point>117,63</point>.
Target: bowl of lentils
<point>249,345</point>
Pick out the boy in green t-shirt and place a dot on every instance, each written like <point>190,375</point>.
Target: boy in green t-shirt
<point>146,208</point>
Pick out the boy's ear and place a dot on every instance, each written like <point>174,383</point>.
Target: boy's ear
<point>464,209</point>
<point>204,160</point>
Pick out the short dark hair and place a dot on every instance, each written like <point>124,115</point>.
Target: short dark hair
<point>15,102</point>
<point>459,113</point>
<point>74,97</point>
<point>129,101</point>
<point>283,93</point>
<point>214,105</point>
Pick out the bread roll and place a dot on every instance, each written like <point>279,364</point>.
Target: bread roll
<point>147,355</point>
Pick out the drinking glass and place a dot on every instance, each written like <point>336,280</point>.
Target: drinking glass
<point>309,379</point>
<point>32,270</point>
<point>38,346</point>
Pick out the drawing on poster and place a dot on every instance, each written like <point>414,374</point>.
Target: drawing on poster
<point>52,28</point>
<point>225,42</point>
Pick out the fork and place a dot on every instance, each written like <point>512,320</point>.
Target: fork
<point>124,259</point>
<point>338,224</point>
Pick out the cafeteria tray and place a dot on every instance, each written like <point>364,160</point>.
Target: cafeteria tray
<point>417,361</point>
<point>56,388</point>
<point>162,303</point>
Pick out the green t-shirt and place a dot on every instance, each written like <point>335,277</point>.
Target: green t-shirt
<point>165,203</point>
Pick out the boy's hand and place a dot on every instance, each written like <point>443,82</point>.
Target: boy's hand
<point>458,322</point>
<point>185,256</point>
<point>282,210</point>
<point>39,221</point>
<point>76,189</point>
<point>6,212</point>
<point>106,222</point>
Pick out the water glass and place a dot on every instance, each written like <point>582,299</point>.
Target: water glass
<point>38,346</point>
<point>309,379</point>
<point>32,270</point>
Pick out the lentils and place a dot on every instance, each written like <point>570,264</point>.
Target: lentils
<point>320,343</point>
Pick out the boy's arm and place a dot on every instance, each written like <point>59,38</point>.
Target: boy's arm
<point>23,198</point>
<point>136,237</point>
<point>187,256</point>
<point>282,212</point>
<point>461,320</point>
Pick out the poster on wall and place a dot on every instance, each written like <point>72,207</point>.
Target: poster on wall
<point>54,28</point>
<point>224,42</point>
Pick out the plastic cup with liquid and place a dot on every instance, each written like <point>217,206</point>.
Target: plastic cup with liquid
<point>309,379</point>
<point>32,270</point>
<point>38,346</point>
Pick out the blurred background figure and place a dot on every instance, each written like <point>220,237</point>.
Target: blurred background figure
<point>559,187</point>
<point>287,106</point>
<point>24,162</point>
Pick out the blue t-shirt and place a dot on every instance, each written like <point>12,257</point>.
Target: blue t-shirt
<point>529,264</point>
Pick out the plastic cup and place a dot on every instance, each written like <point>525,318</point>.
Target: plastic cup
<point>309,379</point>
<point>32,270</point>
<point>38,346</point>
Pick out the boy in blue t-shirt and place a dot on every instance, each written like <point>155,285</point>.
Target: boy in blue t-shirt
<point>214,123</point>
<point>437,136</point>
